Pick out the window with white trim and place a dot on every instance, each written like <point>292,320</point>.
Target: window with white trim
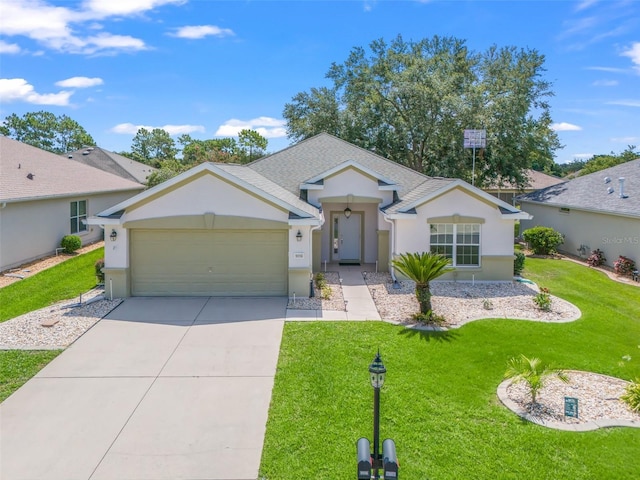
<point>78,217</point>
<point>460,242</point>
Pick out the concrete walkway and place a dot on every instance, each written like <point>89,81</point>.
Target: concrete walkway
<point>162,388</point>
<point>359,304</point>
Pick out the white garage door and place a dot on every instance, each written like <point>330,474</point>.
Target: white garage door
<point>209,262</point>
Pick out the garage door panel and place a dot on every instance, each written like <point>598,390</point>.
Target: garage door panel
<point>211,263</point>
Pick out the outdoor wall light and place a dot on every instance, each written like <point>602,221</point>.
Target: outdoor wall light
<point>347,212</point>
<point>113,235</point>
<point>299,236</point>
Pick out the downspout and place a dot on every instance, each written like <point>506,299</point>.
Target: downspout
<point>393,248</point>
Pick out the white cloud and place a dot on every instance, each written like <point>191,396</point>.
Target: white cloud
<point>634,54</point>
<point>125,7</point>
<point>608,69</point>
<point>18,90</point>
<point>131,129</point>
<point>9,48</point>
<point>79,82</point>
<point>605,83</point>
<point>201,31</point>
<point>627,140</point>
<point>565,127</point>
<point>63,29</point>
<point>625,103</point>
<point>585,4</point>
<point>268,127</point>
<point>581,156</point>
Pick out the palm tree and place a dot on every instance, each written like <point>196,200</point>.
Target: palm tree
<point>533,372</point>
<point>422,268</point>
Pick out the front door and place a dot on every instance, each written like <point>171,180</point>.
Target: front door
<point>346,239</point>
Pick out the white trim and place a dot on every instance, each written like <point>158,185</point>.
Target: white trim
<point>574,207</point>
<point>344,166</point>
<point>517,216</point>
<point>400,216</point>
<point>311,186</point>
<point>213,169</point>
<point>103,221</point>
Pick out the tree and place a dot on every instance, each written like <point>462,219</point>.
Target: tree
<point>153,147</point>
<point>533,372</point>
<point>167,170</point>
<point>600,162</point>
<point>46,131</point>
<point>411,102</point>
<point>252,145</point>
<point>422,268</point>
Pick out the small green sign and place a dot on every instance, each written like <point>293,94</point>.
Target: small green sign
<point>570,407</point>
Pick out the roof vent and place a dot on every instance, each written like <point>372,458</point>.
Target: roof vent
<point>607,180</point>
<point>90,149</point>
<point>86,152</point>
<point>622,194</point>
<point>69,156</point>
<point>610,190</point>
<point>30,176</point>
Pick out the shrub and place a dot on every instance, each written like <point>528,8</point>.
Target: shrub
<point>429,317</point>
<point>632,395</point>
<point>71,243</point>
<point>99,265</point>
<point>322,286</point>
<point>596,258</point>
<point>543,240</point>
<point>543,299</point>
<point>624,266</point>
<point>518,263</point>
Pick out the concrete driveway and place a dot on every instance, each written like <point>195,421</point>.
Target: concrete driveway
<point>162,388</point>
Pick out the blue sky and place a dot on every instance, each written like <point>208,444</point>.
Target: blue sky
<point>211,68</point>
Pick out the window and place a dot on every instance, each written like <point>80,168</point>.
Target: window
<point>459,242</point>
<point>78,216</point>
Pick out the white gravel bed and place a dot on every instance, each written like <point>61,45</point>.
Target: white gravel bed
<point>463,302</point>
<point>336,302</point>
<point>598,400</point>
<point>26,332</point>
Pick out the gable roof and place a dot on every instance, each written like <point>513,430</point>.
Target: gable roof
<point>236,174</point>
<point>112,163</point>
<point>29,173</point>
<point>309,158</point>
<point>592,192</point>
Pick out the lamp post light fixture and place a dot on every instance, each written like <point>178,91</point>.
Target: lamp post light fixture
<point>299,236</point>
<point>113,235</point>
<point>387,461</point>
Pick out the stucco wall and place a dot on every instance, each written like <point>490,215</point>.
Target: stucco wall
<point>32,230</point>
<point>350,182</point>
<point>496,234</point>
<point>612,234</point>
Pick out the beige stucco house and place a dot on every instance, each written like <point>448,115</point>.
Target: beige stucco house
<point>44,197</point>
<point>263,228</point>
<point>596,211</point>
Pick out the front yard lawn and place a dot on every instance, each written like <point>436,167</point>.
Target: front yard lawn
<point>439,401</point>
<point>18,366</point>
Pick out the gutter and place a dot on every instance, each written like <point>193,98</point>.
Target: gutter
<point>393,249</point>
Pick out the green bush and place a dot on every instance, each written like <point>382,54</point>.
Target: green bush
<point>632,395</point>
<point>322,286</point>
<point>543,299</point>
<point>518,263</point>
<point>71,243</point>
<point>543,240</point>
<point>99,265</point>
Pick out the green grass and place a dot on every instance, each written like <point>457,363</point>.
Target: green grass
<point>18,366</point>
<point>63,281</point>
<point>439,401</point>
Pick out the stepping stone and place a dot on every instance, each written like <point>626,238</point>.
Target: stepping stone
<point>49,322</point>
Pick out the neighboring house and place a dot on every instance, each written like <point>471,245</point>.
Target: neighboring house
<point>536,181</point>
<point>44,197</point>
<point>263,228</point>
<point>597,211</point>
<point>111,162</point>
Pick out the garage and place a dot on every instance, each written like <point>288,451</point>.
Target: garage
<point>209,262</point>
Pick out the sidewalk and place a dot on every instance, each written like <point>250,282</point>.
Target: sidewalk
<point>359,304</point>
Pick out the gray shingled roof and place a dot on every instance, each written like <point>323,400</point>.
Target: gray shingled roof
<point>267,186</point>
<point>318,154</point>
<point>590,192</point>
<point>51,175</point>
<point>427,187</point>
<point>112,163</point>
<point>535,181</point>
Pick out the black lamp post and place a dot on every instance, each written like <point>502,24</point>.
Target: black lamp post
<point>377,371</point>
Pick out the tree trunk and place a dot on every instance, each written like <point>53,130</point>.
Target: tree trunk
<point>423,294</point>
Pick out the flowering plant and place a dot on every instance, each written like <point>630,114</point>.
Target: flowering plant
<point>596,258</point>
<point>624,265</point>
